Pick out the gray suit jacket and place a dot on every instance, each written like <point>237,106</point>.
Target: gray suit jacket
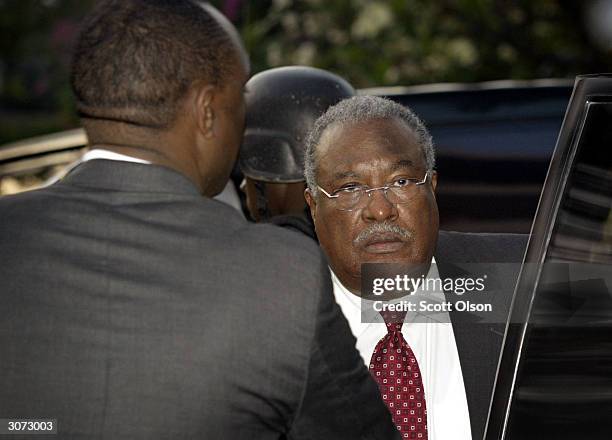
<point>134,308</point>
<point>479,343</point>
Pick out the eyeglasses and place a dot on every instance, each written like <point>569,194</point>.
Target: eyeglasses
<point>402,190</point>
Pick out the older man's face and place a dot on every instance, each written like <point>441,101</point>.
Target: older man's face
<point>373,153</point>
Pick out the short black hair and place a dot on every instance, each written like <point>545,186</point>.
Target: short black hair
<point>136,59</point>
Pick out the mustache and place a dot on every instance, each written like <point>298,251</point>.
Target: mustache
<point>385,227</point>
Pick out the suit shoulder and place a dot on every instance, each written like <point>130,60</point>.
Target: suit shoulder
<point>21,203</point>
<point>269,240</point>
<point>277,240</point>
<point>481,247</point>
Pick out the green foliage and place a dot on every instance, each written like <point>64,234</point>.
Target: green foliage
<point>393,42</point>
<point>369,42</point>
<point>36,38</point>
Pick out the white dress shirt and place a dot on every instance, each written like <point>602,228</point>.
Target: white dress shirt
<point>96,153</point>
<point>433,344</point>
<point>99,153</point>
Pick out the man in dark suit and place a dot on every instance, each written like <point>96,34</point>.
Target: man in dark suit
<point>134,307</point>
<point>371,190</point>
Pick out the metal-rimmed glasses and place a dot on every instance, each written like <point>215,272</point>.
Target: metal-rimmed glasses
<point>401,190</point>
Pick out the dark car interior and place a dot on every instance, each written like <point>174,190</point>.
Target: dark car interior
<point>555,375</point>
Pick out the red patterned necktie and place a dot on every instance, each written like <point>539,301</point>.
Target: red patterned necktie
<point>397,373</point>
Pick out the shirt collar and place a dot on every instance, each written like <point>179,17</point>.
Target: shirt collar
<point>432,273</point>
<point>349,301</point>
<point>100,153</point>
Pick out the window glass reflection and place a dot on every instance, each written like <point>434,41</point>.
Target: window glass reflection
<point>564,385</point>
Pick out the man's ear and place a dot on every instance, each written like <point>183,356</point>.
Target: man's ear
<point>203,109</point>
<point>311,202</point>
<point>434,180</point>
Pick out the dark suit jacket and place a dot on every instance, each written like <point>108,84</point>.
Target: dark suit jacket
<point>134,308</point>
<point>479,343</point>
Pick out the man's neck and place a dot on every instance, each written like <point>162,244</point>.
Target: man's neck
<point>157,146</point>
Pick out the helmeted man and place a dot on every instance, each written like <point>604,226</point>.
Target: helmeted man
<point>282,104</point>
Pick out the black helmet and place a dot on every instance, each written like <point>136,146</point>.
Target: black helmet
<point>282,105</point>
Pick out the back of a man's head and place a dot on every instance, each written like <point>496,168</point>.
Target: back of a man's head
<point>136,59</point>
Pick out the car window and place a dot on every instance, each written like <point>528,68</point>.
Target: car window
<point>563,376</point>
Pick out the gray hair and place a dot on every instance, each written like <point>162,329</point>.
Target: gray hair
<point>358,109</point>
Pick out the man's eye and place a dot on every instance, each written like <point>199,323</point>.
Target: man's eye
<point>401,182</point>
<point>350,188</point>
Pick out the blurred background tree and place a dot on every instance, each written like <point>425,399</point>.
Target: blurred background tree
<point>370,43</point>
<point>36,38</point>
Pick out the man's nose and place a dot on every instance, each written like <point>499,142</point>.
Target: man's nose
<point>378,207</point>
